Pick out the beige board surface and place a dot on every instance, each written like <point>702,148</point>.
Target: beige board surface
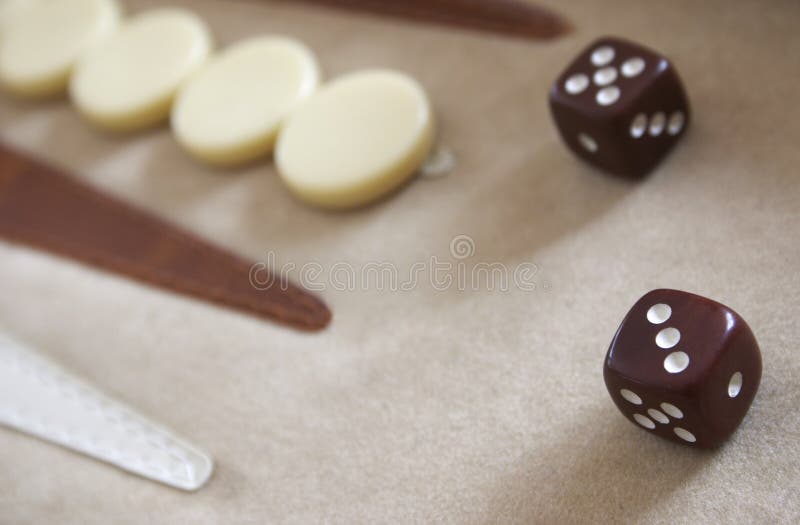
<point>434,405</point>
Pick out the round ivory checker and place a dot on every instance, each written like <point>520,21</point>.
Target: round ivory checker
<point>9,9</point>
<point>40,48</point>
<point>130,81</point>
<point>230,111</point>
<point>357,139</point>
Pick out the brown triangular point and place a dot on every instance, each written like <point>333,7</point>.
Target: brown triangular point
<point>518,18</point>
<point>45,208</point>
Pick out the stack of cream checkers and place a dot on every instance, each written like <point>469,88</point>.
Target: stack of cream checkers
<point>338,145</point>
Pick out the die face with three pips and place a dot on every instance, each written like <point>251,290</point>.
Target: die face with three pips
<point>620,106</point>
<point>683,367</point>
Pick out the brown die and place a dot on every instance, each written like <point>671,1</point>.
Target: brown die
<point>620,107</point>
<point>684,367</point>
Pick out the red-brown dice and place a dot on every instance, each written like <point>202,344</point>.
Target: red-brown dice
<point>683,367</point>
<point>620,107</point>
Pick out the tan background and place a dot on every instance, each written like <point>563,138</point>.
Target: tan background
<point>429,406</point>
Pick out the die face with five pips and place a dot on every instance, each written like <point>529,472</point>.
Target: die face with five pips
<point>620,106</point>
<point>683,367</point>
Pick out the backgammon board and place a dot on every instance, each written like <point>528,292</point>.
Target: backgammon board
<point>460,377</point>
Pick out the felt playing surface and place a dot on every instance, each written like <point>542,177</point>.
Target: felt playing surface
<point>437,405</point>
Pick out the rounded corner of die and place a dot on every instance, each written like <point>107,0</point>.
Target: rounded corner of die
<point>654,293</point>
<point>603,40</point>
<point>554,93</point>
<point>660,295</point>
<point>608,365</point>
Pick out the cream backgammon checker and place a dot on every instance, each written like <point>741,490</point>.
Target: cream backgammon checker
<point>131,80</point>
<point>39,398</point>
<point>40,48</point>
<point>229,113</point>
<point>357,139</point>
<point>9,9</point>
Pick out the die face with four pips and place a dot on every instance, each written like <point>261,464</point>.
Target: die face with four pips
<point>620,106</point>
<point>683,367</point>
